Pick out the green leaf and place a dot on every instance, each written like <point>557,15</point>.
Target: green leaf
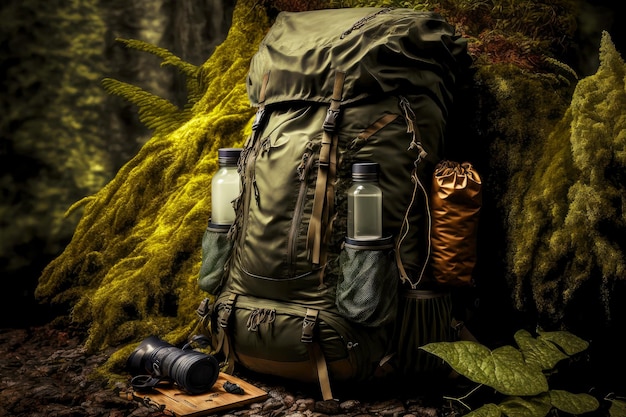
<point>503,369</point>
<point>618,408</point>
<point>570,343</point>
<point>573,403</point>
<point>538,406</point>
<point>487,410</point>
<point>539,352</point>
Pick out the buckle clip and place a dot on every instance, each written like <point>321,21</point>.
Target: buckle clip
<point>308,324</point>
<point>330,122</point>
<point>259,117</point>
<point>205,308</point>
<point>224,313</point>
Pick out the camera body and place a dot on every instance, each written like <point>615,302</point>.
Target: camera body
<point>194,372</point>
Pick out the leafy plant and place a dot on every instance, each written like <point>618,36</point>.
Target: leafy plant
<point>521,375</point>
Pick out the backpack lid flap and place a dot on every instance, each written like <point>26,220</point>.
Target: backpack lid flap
<point>380,50</point>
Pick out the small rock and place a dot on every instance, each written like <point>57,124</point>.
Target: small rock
<point>327,407</point>
<point>305,404</point>
<point>349,405</point>
<point>272,404</point>
<point>289,400</point>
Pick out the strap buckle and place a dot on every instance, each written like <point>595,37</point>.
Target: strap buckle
<point>330,122</point>
<point>204,309</point>
<point>308,324</point>
<point>259,118</point>
<point>224,314</point>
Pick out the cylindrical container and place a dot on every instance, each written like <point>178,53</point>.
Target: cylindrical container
<point>365,203</point>
<point>225,187</point>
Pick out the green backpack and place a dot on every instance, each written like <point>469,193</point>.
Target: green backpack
<point>288,296</point>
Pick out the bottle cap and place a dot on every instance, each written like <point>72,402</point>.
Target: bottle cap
<point>228,156</point>
<point>365,171</point>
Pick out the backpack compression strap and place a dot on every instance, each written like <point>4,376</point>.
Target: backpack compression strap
<point>323,200</point>
<point>223,342</point>
<point>315,352</point>
<point>259,117</point>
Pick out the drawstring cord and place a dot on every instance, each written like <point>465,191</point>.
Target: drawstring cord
<point>409,116</point>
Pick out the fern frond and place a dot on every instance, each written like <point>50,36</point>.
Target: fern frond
<point>192,73</point>
<point>168,58</point>
<point>155,113</point>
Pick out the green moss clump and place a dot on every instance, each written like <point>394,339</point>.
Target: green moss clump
<point>571,220</point>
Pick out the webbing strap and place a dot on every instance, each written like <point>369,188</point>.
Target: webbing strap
<point>259,117</point>
<point>223,345</point>
<point>315,352</point>
<point>308,324</point>
<point>377,125</point>
<point>229,357</point>
<point>322,371</point>
<point>223,342</point>
<point>329,207</point>
<point>323,199</point>
<point>224,313</point>
<point>314,235</point>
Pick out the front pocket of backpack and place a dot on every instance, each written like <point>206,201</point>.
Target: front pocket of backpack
<point>216,248</point>
<point>367,285</point>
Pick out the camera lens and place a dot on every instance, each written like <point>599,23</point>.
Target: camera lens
<point>194,372</point>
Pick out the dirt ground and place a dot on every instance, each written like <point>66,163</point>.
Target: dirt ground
<point>44,371</point>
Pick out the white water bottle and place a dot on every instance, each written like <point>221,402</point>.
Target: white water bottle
<point>225,187</point>
<point>365,203</point>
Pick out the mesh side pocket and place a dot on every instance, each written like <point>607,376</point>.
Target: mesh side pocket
<point>216,248</point>
<point>367,286</point>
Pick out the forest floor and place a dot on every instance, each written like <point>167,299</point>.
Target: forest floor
<point>44,371</point>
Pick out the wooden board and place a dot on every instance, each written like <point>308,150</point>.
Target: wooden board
<point>214,401</point>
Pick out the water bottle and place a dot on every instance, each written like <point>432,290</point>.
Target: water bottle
<point>225,187</point>
<point>365,203</point>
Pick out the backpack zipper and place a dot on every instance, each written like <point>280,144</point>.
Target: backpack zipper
<point>360,23</point>
<point>250,177</point>
<point>299,208</point>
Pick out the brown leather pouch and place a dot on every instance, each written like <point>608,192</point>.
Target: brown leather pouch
<point>456,200</point>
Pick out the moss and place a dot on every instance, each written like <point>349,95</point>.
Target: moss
<point>571,218</point>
